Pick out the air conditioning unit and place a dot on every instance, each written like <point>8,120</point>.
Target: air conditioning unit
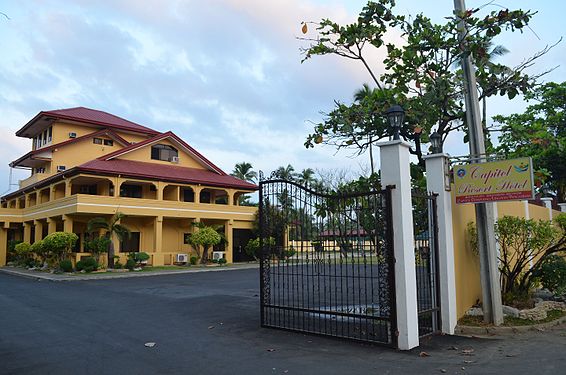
<point>61,168</point>
<point>182,258</point>
<point>174,159</point>
<point>218,255</point>
<point>72,135</point>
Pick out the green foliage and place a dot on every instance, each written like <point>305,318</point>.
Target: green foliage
<point>139,257</point>
<point>252,247</point>
<point>540,132</point>
<point>87,264</point>
<point>57,246</point>
<point>39,250</point>
<point>317,246</point>
<point>98,246</point>
<point>552,274</point>
<point>66,265</point>
<point>222,261</point>
<point>130,264</point>
<point>205,237</point>
<point>11,251</point>
<point>23,253</point>
<point>112,227</point>
<point>421,74</point>
<point>521,242</point>
<point>118,265</point>
<point>193,260</point>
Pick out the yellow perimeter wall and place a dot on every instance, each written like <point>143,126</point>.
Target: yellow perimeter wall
<point>466,262</point>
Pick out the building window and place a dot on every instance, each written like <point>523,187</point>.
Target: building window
<point>50,134</point>
<point>40,170</point>
<point>108,142</point>
<point>187,238</point>
<point>188,195</point>
<point>163,152</point>
<point>97,141</point>
<point>131,191</point>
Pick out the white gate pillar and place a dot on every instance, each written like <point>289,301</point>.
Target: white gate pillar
<point>395,170</point>
<point>437,179</point>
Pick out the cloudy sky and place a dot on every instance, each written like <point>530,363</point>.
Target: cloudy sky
<point>225,75</point>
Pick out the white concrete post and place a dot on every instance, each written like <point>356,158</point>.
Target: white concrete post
<point>548,204</point>
<point>436,166</point>
<point>395,171</point>
<point>562,207</point>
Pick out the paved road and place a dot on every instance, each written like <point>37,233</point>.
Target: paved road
<point>207,323</point>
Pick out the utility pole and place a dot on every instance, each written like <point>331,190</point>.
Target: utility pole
<point>485,212</point>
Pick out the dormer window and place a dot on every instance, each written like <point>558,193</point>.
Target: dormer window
<point>163,152</point>
<point>97,141</point>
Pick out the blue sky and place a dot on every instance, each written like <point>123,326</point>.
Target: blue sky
<point>225,75</point>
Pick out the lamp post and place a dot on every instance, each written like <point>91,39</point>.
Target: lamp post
<point>395,116</point>
<point>436,143</point>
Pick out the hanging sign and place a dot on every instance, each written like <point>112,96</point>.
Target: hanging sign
<point>502,180</point>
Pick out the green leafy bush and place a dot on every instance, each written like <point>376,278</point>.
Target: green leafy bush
<point>118,265</point>
<point>23,253</point>
<point>193,260</point>
<point>59,245</point>
<point>252,247</point>
<point>206,237</point>
<point>552,274</point>
<point>130,264</point>
<point>222,261</point>
<point>11,253</point>
<point>66,265</point>
<point>39,250</point>
<point>98,246</point>
<point>87,264</point>
<point>139,258</point>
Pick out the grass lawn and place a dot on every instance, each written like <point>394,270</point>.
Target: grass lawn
<point>509,321</point>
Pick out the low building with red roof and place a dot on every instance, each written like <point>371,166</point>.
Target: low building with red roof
<point>87,163</point>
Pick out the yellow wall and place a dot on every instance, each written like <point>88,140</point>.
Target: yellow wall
<point>144,154</point>
<point>466,261</point>
<point>61,132</point>
<point>80,152</point>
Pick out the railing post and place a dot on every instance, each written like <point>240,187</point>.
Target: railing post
<point>395,170</point>
<point>437,182</point>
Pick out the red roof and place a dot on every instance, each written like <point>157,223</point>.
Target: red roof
<point>163,172</point>
<point>198,156</point>
<point>87,115</point>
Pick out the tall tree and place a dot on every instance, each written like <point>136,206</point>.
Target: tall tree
<point>306,177</point>
<point>285,173</point>
<point>111,227</point>
<point>422,74</point>
<point>244,171</point>
<point>540,132</point>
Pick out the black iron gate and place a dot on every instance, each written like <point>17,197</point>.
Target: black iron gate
<point>327,262</point>
<point>426,262</point>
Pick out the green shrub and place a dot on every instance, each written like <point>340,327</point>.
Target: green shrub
<point>59,244</point>
<point>66,265</point>
<point>222,261</point>
<point>87,264</point>
<point>552,274</point>
<point>252,247</point>
<point>118,265</point>
<point>193,260</point>
<point>11,253</point>
<point>98,246</point>
<point>139,258</point>
<point>38,249</point>
<point>23,253</point>
<point>214,260</point>
<point>131,264</point>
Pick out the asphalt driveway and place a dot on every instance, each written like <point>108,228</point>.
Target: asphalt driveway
<point>208,323</point>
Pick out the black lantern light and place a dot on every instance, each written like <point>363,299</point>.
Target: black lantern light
<point>395,117</point>
<point>436,143</point>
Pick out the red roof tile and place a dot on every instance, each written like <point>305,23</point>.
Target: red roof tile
<point>162,172</point>
<point>91,116</point>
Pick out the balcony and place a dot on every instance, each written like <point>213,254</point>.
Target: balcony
<point>33,179</point>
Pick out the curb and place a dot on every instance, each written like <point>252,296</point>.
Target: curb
<point>52,277</point>
<point>506,331</point>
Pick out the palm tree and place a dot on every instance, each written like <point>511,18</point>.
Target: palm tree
<point>111,226</point>
<point>244,171</point>
<point>306,177</point>
<point>488,59</point>
<point>285,173</point>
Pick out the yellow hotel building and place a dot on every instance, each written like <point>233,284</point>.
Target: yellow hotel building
<point>86,163</point>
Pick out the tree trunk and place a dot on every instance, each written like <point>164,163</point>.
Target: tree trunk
<point>204,258</point>
<point>111,254</point>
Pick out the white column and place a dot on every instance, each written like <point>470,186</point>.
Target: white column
<point>395,171</point>
<point>436,171</point>
<point>548,204</point>
<point>562,207</point>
